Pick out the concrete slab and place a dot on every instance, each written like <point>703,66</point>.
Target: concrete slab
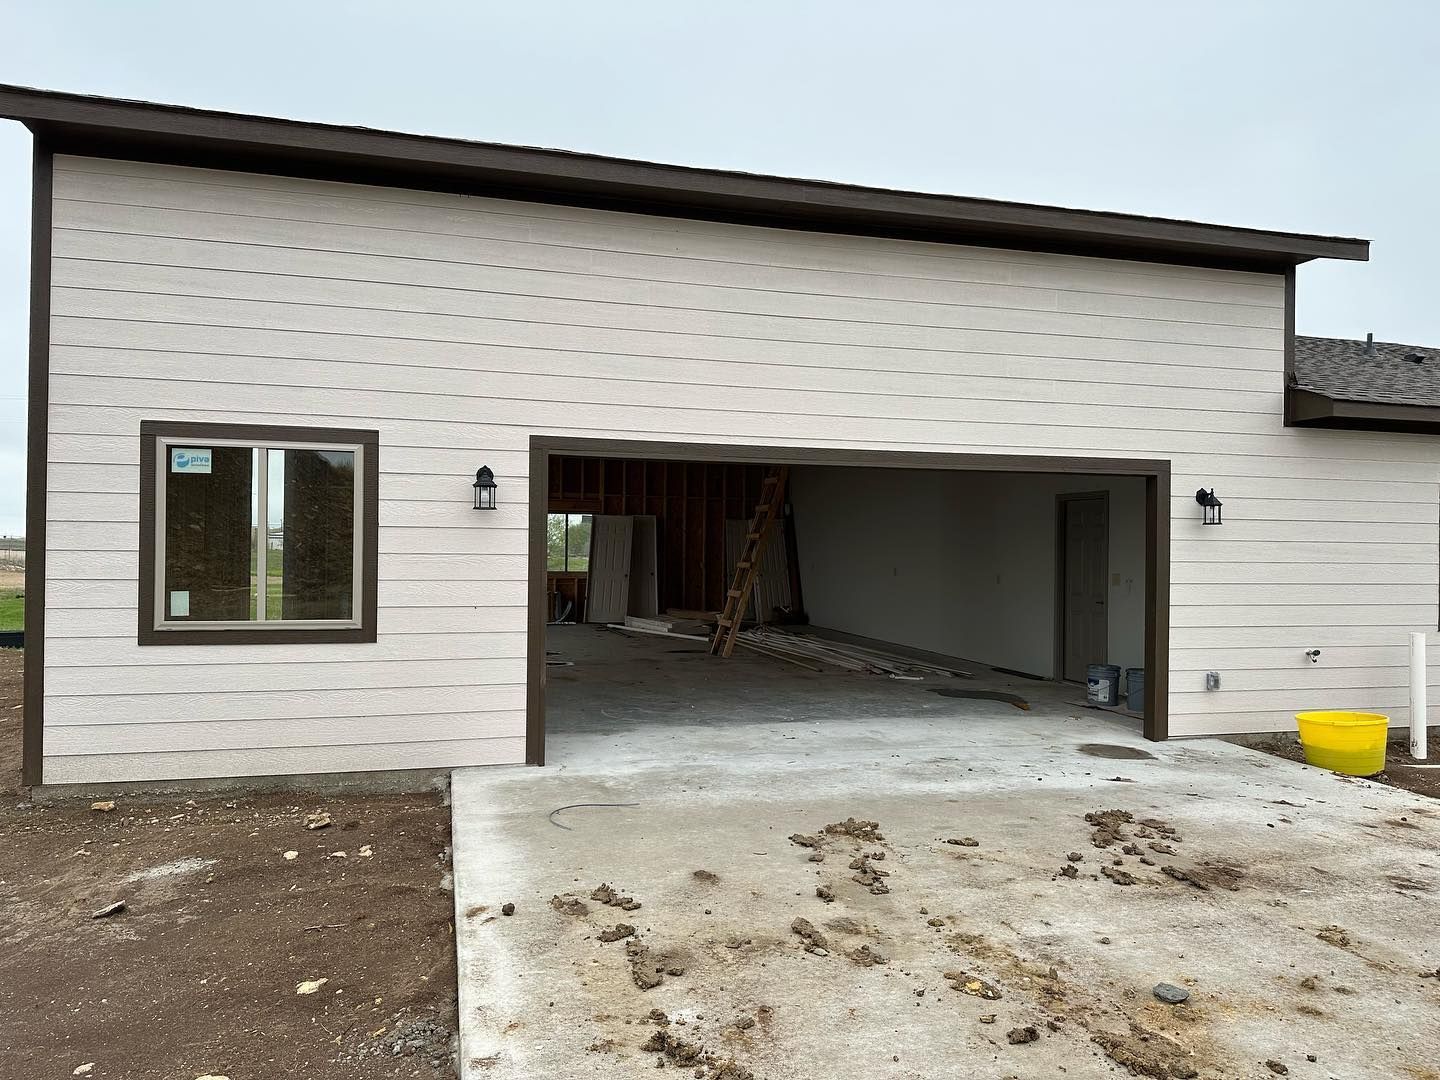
<point>1311,938</point>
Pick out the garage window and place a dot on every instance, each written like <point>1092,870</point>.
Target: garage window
<point>567,543</point>
<point>254,535</point>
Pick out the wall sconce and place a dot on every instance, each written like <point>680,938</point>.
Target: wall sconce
<point>1211,504</point>
<point>484,489</point>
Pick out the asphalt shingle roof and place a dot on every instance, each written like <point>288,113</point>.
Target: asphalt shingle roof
<point>1396,374</point>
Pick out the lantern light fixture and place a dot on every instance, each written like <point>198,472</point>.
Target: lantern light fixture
<point>484,488</point>
<point>1211,506</point>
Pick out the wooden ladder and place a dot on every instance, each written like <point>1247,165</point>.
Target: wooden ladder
<point>747,569</point>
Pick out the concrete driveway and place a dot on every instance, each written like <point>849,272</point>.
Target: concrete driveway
<point>1298,909</point>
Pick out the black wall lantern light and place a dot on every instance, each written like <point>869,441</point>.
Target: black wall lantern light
<point>484,489</point>
<point>1211,504</point>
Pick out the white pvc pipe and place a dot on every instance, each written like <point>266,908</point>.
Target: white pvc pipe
<point>1419,715</point>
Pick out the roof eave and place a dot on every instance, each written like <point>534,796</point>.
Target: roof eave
<point>139,130</point>
<point>1309,408</point>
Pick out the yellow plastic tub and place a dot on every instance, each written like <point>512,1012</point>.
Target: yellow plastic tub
<point>1345,742</point>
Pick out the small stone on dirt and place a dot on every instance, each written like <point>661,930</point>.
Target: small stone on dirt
<point>109,909</point>
<point>317,821</point>
<point>84,1070</point>
<point>103,807</point>
<point>1021,1035</point>
<point>988,1018</point>
<point>309,986</point>
<point>1171,994</point>
<point>291,856</point>
<point>935,922</point>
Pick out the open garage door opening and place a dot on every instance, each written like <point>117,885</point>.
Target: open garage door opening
<point>681,588</point>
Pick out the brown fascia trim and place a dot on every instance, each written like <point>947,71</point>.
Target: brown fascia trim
<point>37,478</point>
<point>1307,408</point>
<point>109,127</point>
<point>1155,471</point>
<point>146,634</point>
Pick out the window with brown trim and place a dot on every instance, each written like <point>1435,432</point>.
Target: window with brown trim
<point>252,534</point>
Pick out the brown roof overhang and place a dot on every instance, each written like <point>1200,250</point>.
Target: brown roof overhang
<point>136,130</point>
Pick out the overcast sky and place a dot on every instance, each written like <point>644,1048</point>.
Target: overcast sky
<point>1306,115</point>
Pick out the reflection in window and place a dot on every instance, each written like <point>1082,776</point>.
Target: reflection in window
<point>567,543</point>
<point>246,526</point>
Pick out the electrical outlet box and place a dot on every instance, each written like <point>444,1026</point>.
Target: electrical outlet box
<point>1212,680</point>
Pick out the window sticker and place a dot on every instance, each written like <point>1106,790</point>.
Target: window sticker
<point>179,603</point>
<point>184,459</point>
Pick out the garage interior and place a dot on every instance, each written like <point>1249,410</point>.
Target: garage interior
<point>865,592</point>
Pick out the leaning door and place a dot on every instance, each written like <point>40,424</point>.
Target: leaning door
<point>1085,568</point>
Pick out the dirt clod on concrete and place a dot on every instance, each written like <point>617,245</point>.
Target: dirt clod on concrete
<point>1147,1053</point>
<point>805,840</point>
<point>868,956</point>
<point>1277,1068</point>
<point>619,933</point>
<point>643,969</point>
<point>689,1055</point>
<point>973,985</point>
<point>1108,824</point>
<point>611,897</point>
<point>507,909</point>
<point>867,832</point>
<point>570,905</point>
<point>1019,1036</point>
<point>1118,876</point>
<point>824,892</point>
<point>1185,876</point>
<point>813,938</point>
<point>1335,935</point>
<point>709,877</point>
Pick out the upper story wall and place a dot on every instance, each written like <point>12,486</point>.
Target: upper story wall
<point>460,326</point>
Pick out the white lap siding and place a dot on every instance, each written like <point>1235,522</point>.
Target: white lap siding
<point>458,327</point>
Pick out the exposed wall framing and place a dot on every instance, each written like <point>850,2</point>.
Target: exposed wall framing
<point>691,501</point>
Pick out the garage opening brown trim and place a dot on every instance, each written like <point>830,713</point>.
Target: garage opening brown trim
<point>37,473</point>
<point>147,131</point>
<point>1156,472</point>
<point>147,634</point>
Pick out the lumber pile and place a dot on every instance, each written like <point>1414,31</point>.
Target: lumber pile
<point>664,626</point>
<point>807,650</point>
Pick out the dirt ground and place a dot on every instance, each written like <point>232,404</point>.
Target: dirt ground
<point>1400,767</point>
<point>199,973</point>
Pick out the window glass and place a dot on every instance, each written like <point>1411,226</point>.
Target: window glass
<point>310,535</point>
<point>250,525</point>
<point>567,543</point>
<point>209,500</point>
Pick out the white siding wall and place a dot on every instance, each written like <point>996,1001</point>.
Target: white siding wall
<point>460,326</point>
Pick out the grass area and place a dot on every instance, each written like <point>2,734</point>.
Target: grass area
<point>12,609</point>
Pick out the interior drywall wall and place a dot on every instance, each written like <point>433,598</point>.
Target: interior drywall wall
<point>959,563</point>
